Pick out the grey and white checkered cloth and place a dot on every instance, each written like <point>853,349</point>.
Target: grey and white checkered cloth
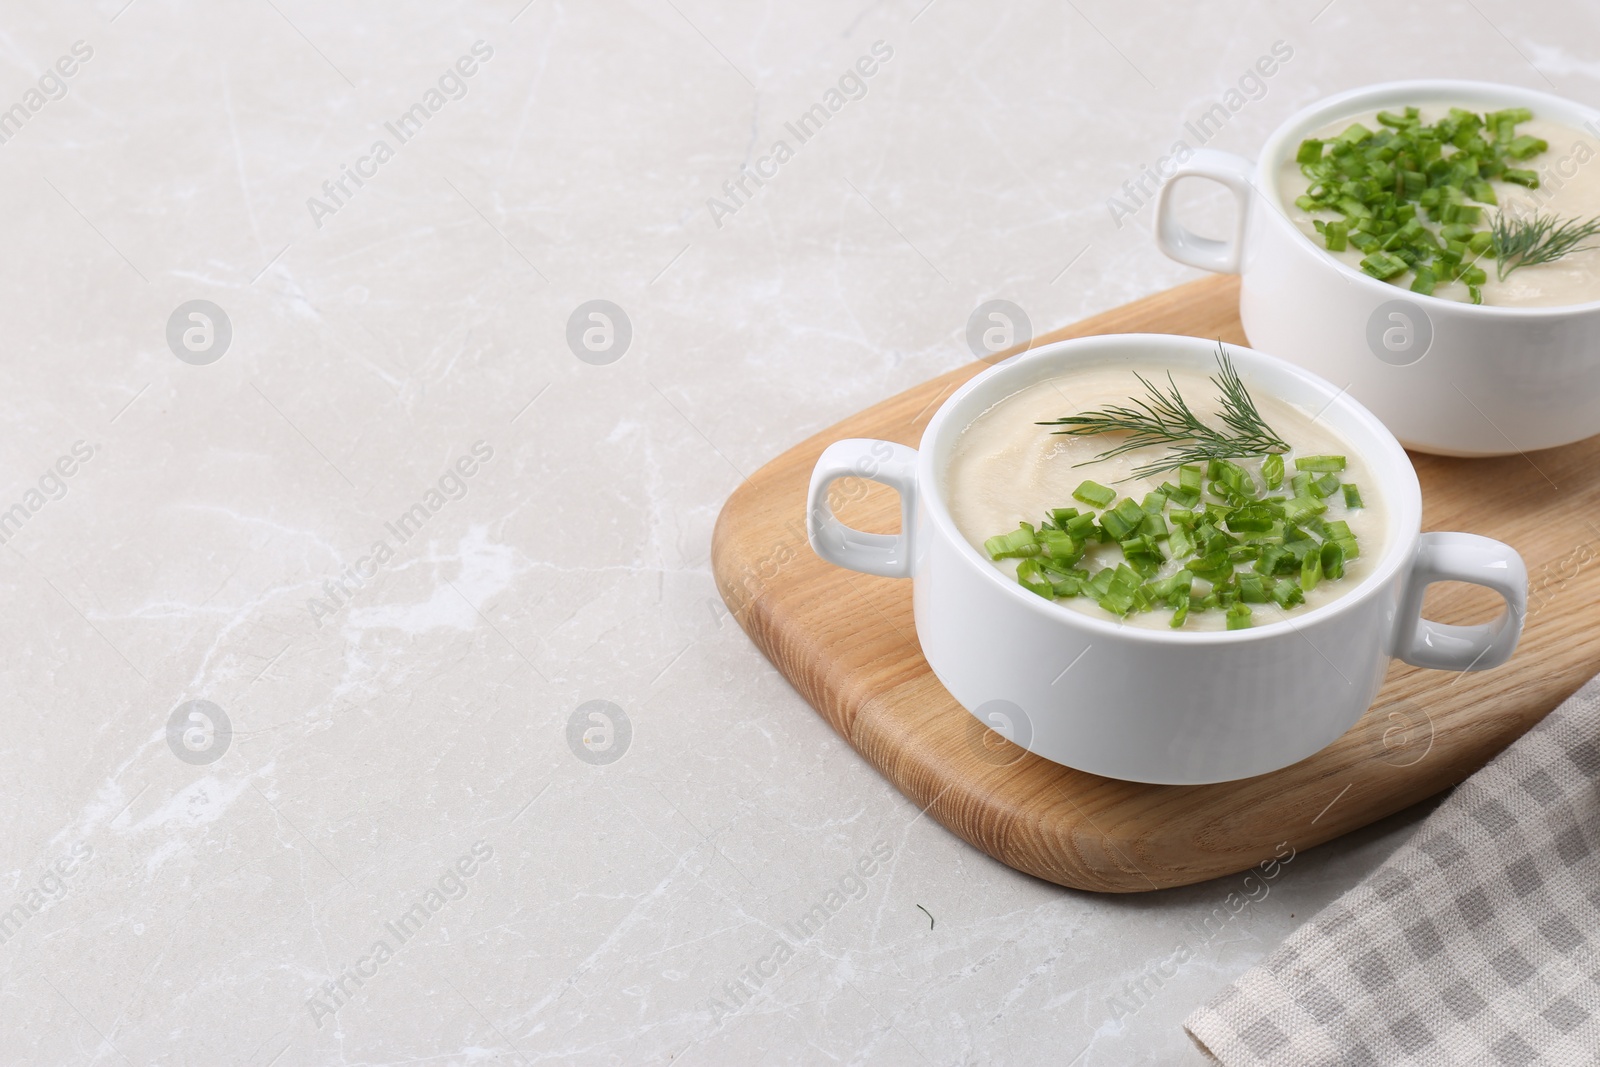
<point>1477,942</point>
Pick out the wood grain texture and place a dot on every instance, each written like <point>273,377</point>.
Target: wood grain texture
<point>846,641</point>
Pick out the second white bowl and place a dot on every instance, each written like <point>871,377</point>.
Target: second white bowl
<point>1446,377</point>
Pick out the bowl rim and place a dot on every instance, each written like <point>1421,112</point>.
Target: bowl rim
<point>1385,458</point>
<point>1379,94</point>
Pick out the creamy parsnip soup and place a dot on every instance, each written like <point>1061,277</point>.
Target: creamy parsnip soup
<point>1492,207</point>
<point>1225,542</point>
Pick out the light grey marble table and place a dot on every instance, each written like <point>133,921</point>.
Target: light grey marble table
<point>307,584</point>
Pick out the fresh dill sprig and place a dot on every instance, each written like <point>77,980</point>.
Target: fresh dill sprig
<point>1523,241</point>
<point>1166,419</point>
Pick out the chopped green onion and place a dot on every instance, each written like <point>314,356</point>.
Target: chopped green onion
<point>1250,549</point>
<point>1060,546</point>
<point>1372,191</point>
<point>1100,583</point>
<point>1212,567</point>
<point>1286,592</point>
<point>1179,543</point>
<point>1123,519</point>
<point>1068,587</point>
<point>1301,508</point>
<point>1272,470</point>
<point>1178,584</point>
<point>1512,115</point>
<point>1118,597</point>
<point>1252,518</point>
<point>1117,601</point>
<point>1525,146</point>
<point>1332,560</point>
<point>1180,495</point>
<point>1143,554</point>
<point>1382,266</point>
<point>1016,544</point>
<point>1232,476</point>
<point>1032,578</point>
<point>1081,527</point>
<point>1094,493</point>
<point>1311,571</point>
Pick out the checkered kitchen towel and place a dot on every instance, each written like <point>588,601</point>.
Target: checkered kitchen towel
<point>1478,942</point>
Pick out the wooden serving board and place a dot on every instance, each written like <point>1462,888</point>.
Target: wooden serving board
<point>846,641</point>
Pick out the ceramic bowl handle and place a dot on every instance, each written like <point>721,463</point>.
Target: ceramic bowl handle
<point>887,555</point>
<point>1188,247</point>
<point>1461,557</point>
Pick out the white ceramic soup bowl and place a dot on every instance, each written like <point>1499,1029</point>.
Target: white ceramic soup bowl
<point>1156,705</point>
<point>1445,376</point>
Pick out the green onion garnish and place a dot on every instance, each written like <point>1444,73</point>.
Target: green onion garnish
<point>1272,470</point>
<point>1180,495</point>
<point>1525,146</point>
<point>1332,560</point>
<point>1016,544</point>
<point>1375,189</point>
<point>1219,539</point>
<point>1032,578</point>
<point>1122,520</point>
<point>1311,571</point>
<point>1382,266</point>
<point>1094,493</point>
<point>1247,549</point>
